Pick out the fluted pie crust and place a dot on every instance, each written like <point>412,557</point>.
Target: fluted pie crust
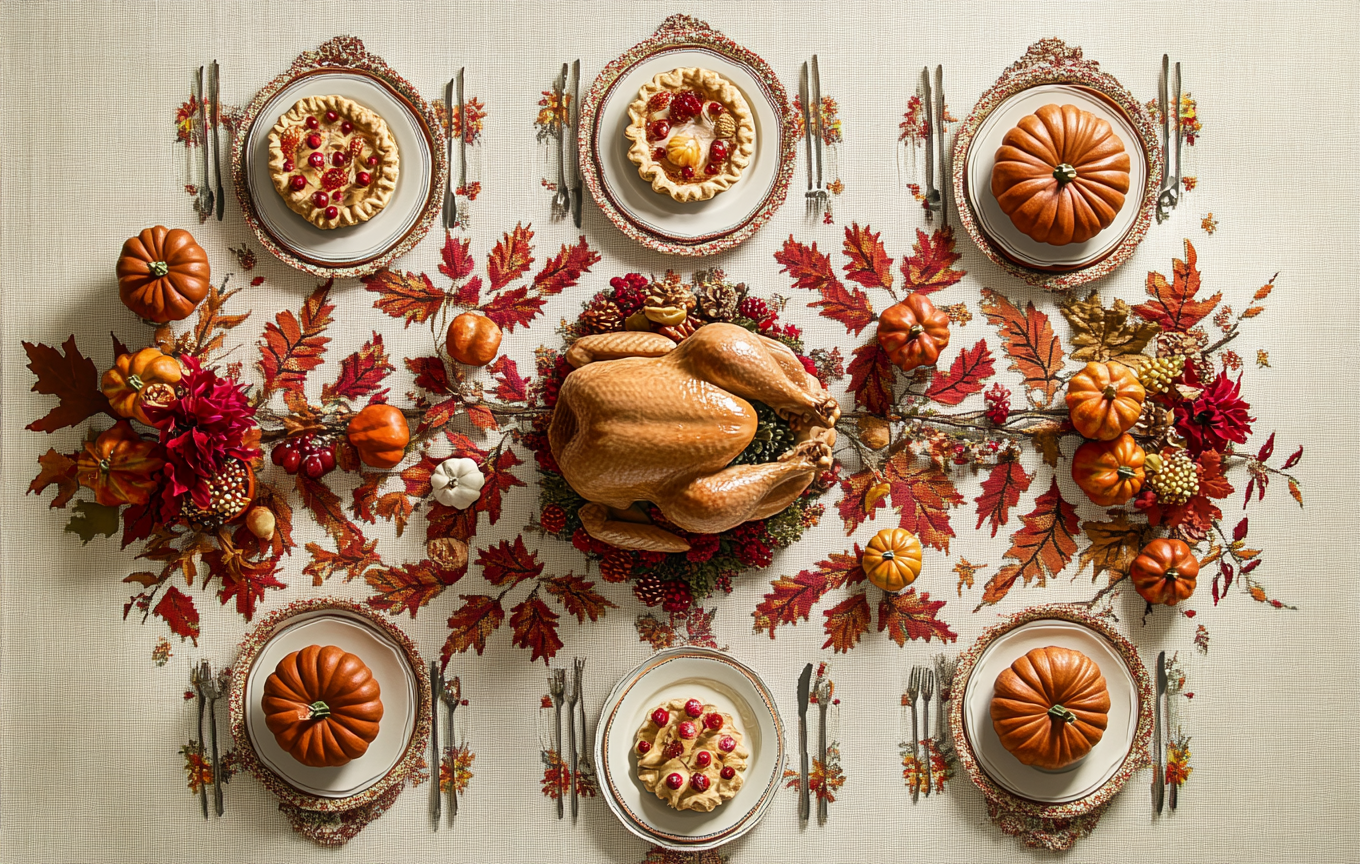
<point>665,177</point>
<point>354,203</point>
<point>654,767</point>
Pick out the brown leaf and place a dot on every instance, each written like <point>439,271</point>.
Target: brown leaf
<point>535,628</point>
<point>578,596</point>
<point>871,378</point>
<point>1029,339</point>
<point>908,615</point>
<point>1041,549</point>
<point>1114,545</point>
<point>1102,334</point>
<point>966,573</point>
<point>508,564</point>
<point>846,622</point>
<point>59,469</point>
<point>854,495</point>
<point>353,559</point>
<point>326,508</point>
<point>564,270</point>
<point>1174,306</point>
<point>1046,439</point>
<point>72,378</point>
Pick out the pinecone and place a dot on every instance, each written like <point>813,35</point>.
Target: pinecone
<point>678,597</point>
<point>718,298</point>
<point>1156,423</point>
<point>617,566</point>
<point>1156,375</point>
<point>553,519</point>
<point>670,295</point>
<point>1175,479</point>
<point>682,331</point>
<point>604,318</point>
<point>650,590</point>
<point>773,438</point>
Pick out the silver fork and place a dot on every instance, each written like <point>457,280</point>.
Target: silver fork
<point>819,194</point>
<point>927,691</point>
<point>210,688</point>
<point>561,204</point>
<point>928,100</point>
<point>452,697</point>
<point>205,194</point>
<point>914,690</point>
<point>573,697</point>
<point>823,693</point>
<point>196,678</point>
<point>1171,118</point>
<point>557,684</point>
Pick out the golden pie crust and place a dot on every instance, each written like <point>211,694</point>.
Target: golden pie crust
<point>665,175</point>
<point>654,766</point>
<point>368,147</point>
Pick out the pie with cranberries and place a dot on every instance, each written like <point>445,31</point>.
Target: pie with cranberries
<point>690,754</point>
<point>692,134</point>
<point>334,161</point>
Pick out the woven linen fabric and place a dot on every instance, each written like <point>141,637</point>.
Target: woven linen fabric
<point>90,730</point>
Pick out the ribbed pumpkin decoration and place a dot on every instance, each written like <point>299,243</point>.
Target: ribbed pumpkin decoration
<point>1165,571</point>
<point>913,332</point>
<point>1109,472</point>
<point>163,274</point>
<point>323,706</point>
<point>1104,400</point>
<point>1050,707</point>
<point>892,560</point>
<point>145,378</point>
<point>380,434</point>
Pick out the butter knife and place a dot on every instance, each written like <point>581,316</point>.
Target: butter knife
<point>1159,752</point>
<point>932,194</point>
<point>1176,127</point>
<point>939,143</point>
<point>574,151</point>
<point>205,193</point>
<point>217,144</point>
<point>462,133</point>
<point>436,686</point>
<point>450,198</point>
<point>804,690</point>
<point>804,97</point>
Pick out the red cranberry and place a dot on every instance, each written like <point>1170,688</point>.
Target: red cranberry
<point>711,168</point>
<point>314,140</point>
<point>317,161</point>
<point>675,781</point>
<point>659,153</point>
<point>363,178</point>
<point>331,213</point>
<point>346,128</point>
<point>703,758</point>
<point>699,782</point>
<point>298,183</point>
<point>644,747</point>
<point>728,772</point>
<point>313,467</point>
<point>674,750</point>
<point>658,129</point>
<point>714,721</point>
<point>661,716</point>
<point>338,158</point>
<point>727,744</point>
<point>311,123</point>
<point>331,116</point>
<point>687,730</point>
<point>715,109</point>
<point>694,707</point>
<point>292,460</point>
<point>288,165</point>
<point>718,150</point>
<point>686,105</point>
<point>320,198</point>
<point>687,172</point>
<point>371,161</point>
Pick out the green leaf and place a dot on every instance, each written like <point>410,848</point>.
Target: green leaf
<point>91,519</point>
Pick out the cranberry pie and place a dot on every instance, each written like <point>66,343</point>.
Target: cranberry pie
<point>690,754</point>
<point>692,134</point>
<point>334,161</point>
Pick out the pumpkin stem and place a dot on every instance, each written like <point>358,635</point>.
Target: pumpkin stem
<point>1110,391</point>
<point>1125,472</point>
<point>1064,174</point>
<point>104,466</point>
<point>889,555</point>
<point>916,330</point>
<point>1058,712</point>
<point>320,709</point>
<point>1171,574</point>
<point>135,382</point>
<point>158,268</point>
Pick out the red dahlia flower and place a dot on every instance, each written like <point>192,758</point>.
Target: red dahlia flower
<point>1216,417</point>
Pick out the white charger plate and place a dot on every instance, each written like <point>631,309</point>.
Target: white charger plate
<point>355,244</point>
<point>396,680</point>
<point>715,678</point>
<point>1105,757</point>
<point>994,221</point>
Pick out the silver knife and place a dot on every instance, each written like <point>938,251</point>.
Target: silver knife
<point>804,690</point>
<point>462,134</point>
<point>205,193</point>
<point>1158,766</point>
<point>217,144</point>
<point>1176,124</point>
<point>807,121</point>
<point>450,199</point>
<point>817,113</point>
<point>932,195</point>
<point>574,173</point>
<point>436,685</point>
<point>939,142</point>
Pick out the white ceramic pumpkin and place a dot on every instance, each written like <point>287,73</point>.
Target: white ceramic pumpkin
<point>457,483</point>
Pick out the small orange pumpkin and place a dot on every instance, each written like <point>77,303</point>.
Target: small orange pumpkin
<point>120,466</point>
<point>913,332</point>
<point>473,339</point>
<point>380,434</point>
<point>1050,707</point>
<point>1165,571</point>
<point>1109,472</point>
<point>163,274</point>
<point>145,378</point>
<point>1104,400</point>
<point>892,560</point>
<point>323,706</point>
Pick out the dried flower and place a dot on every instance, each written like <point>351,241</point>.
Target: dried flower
<point>1217,416</point>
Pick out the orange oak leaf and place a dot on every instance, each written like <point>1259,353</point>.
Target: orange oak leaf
<point>514,308</point>
<point>1173,305</point>
<point>871,378</point>
<point>793,597</point>
<point>457,262</point>
<point>366,495</point>
<point>970,368</point>
<point>411,296</point>
<point>846,622</point>
<point>72,378</point>
<point>578,596</point>
<point>471,624</point>
<point>360,372</point>
<point>511,257</point>
<point>922,496</point>
<point>1005,483</point>
<point>812,270</point>
<point>416,477</point>
<point>409,586</point>
<point>293,345</point>
<point>177,610</point>
<point>481,416</point>
<point>908,615</point>
<point>59,469</point>
<point>396,508</point>
<point>1041,549</point>
<point>1029,339</point>
<point>535,627</point>
<point>210,329</point>
<point>564,270</point>
<point>326,508</point>
<point>930,266</point>
<point>510,385</point>
<point>508,564</point>
<point>854,493</point>
<point>869,264</point>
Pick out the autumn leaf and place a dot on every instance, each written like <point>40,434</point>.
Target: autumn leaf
<point>930,267</point>
<point>1029,339</point>
<point>325,506</point>
<point>514,308</point>
<point>1102,334</point>
<point>508,564</point>
<point>564,270</point>
<point>966,572</point>
<point>535,627</point>
<point>908,615</point>
<point>366,495</point>
<point>457,262</point>
<point>1041,549</point>
<point>90,519</point>
<point>510,385</point>
<point>245,580</point>
<point>1005,483</point>
<point>655,632</point>
<point>469,294</point>
<point>511,257</point>
<point>56,469</point>
<point>293,345</point>
<point>409,586</point>
<point>1114,545</point>
<point>353,559</point>
<point>498,480</point>
<point>922,496</point>
<point>177,610</point>
<point>481,416</point>
<point>210,329</point>
<point>869,264</point>
<point>1047,436</point>
<point>411,296</point>
<point>871,378</point>
<point>970,368</point>
<point>854,493</point>
<point>578,596</point>
<point>812,270</point>
<point>846,622</point>
<point>471,624</point>
<point>360,372</point>
<point>396,508</point>
<point>430,374</point>
<point>72,378</point>
<point>1173,306</point>
<point>794,597</point>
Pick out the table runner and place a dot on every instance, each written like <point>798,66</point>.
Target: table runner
<point>89,761</point>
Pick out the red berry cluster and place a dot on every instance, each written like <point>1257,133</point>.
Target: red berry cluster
<point>306,453</point>
<point>630,292</point>
<point>998,403</point>
<point>686,106</point>
<point>659,101</point>
<point>752,544</point>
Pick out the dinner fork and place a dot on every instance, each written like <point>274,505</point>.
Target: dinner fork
<point>819,194</point>
<point>573,697</point>
<point>205,193</point>
<point>561,204</point>
<point>452,697</point>
<point>557,684</point>
<point>928,100</point>
<point>914,690</point>
<point>823,693</point>
<point>1171,120</point>
<point>210,688</point>
<point>196,678</point>
<point>927,691</point>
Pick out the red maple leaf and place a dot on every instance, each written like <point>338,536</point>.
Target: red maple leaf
<point>965,377</point>
<point>59,469</point>
<point>245,582</point>
<point>535,627</point>
<point>564,269</point>
<point>325,506</point>
<point>508,564</point>
<point>846,622</point>
<point>178,611</point>
<point>498,480</point>
<point>469,294</point>
<point>1001,491</point>
<point>457,260</point>
<point>1029,339</point>
<point>930,266</point>
<point>440,414</point>
<point>514,308</point>
<point>471,624</point>
<point>510,385</point>
<point>430,374</point>
<point>292,345</point>
<point>869,263</point>
<point>1041,549</point>
<point>812,270</point>
<point>360,372</point>
<point>854,489</point>
<point>366,495</point>
<point>511,257</point>
<point>578,596</point>
<point>412,296</point>
<point>922,496</point>
<point>793,597</point>
<point>416,477</point>
<point>908,615</point>
<point>1174,306</point>
<point>354,559</point>
<point>871,378</point>
<point>409,586</point>
<point>72,378</point>
<point>445,521</point>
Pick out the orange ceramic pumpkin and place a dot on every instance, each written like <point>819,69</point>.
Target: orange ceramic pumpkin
<point>163,274</point>
<point>145,378</point>
<point>380,434</point>
<point>892,560</point>
<point>1109,472</point>
<point>913,332</point>
<point>120,466</point>
<point>1061,175</point>
<point>1165,572</point>
<point>1104,400</point>
<point>473,339</point>
<point>1050,707</point>
<point>323,706</point>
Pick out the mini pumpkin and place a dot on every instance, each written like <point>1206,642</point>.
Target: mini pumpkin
<point>1061,175</point>
<point>457,483</point>
<point>473,339</point>
<point>1165,571</point>
<point>892,560</point>
<point>913,332</point>
<point>1109,472</point>
<point>120,466</point>
<point>145,378</point>
<point>323,706</point>
<point>380,434</point>
<point>1104,400</point>
<point>1050,707</point>
<point>163,274</point>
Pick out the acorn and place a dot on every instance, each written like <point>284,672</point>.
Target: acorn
<point>874,432</point>
<point>260,521</point>
<point>449,553</point>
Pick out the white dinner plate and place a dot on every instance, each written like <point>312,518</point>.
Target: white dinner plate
<point>399,696</point>
<point>657,213</point>
<point>1105,758</point>
<point>994,221</point>
<point>354,244</point>
<point>712,677</point>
